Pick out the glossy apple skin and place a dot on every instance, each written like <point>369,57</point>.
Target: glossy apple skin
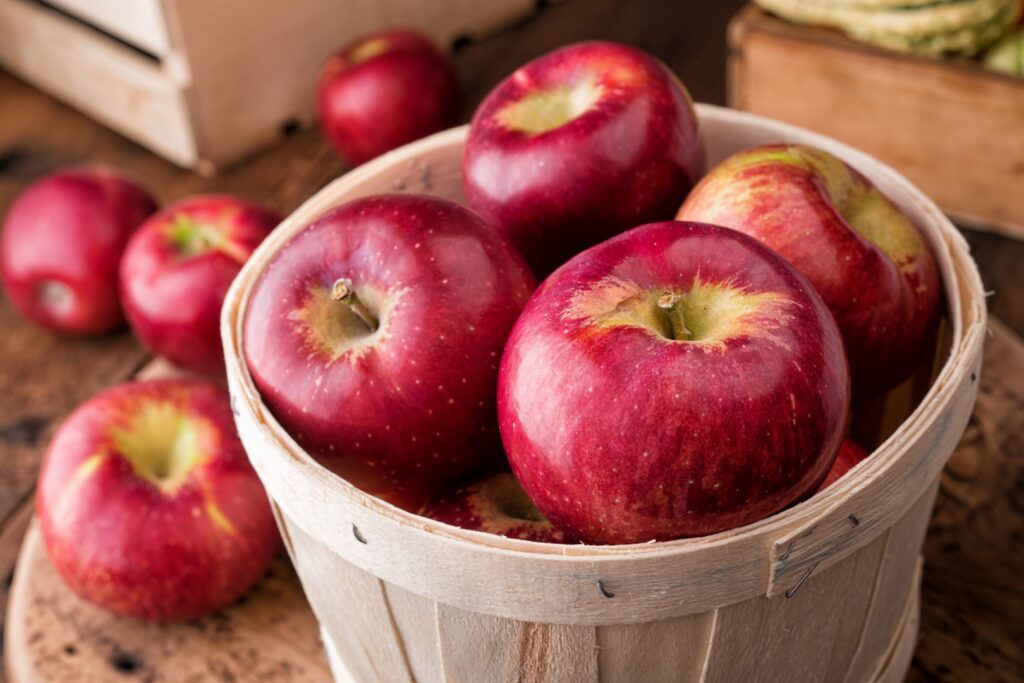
<point>494,503</point>
<point>62,240</point>
<point>414,406</point>
<point>173,297</point>
<point>125,544</point>
<point>884,296</point>
<point>630,159</point>
<point>648,438</point>
<point>383,91</point>
<point>849,455</point>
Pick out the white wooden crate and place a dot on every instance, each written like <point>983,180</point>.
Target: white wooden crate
<point>206,82</point>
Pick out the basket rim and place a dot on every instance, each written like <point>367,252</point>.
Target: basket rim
<point>966,309</point>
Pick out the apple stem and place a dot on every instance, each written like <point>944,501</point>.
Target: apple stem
<point>670,303</point>
<point>342,291</point>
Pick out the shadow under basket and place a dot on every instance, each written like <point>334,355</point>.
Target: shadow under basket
<point>824,591</point>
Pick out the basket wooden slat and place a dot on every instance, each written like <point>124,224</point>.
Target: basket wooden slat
<point>895,578</point>
<point>653,651</point>
<point>818,592</point>
<point>414,614</point>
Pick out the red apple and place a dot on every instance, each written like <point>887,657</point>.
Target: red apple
<point>374,337</point>
<point>676,380</point>
<point>149,506</point>
<point>383,91</point>
<point>849,455</point>
<point>494,503</point>
<point>868,261</point>
<point>579,145</point>
<point>62,241</point>
<point>177,269</point>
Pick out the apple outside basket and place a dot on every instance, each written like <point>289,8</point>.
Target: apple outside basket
<point>825,591</point>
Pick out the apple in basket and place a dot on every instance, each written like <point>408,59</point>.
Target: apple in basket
<point>495,503</point>
<point>62,241</point>
<point>578,145</point>
<point>849,455</point>
<point>383,91</point>
<point>374,336</point>
<point>701,385</point>
<point>149,506</point>
<point>869,262</point>
<point>177,269</point>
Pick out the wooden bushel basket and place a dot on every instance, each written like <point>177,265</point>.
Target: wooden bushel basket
<point>824,591</point>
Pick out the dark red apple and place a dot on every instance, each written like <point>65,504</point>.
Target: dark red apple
<point>849,455</point>
<point>869,262</point>
<point>375,334</point>
<point>494,503</point>
<point>383,91</point>
<point>579,145</point>
<point>677,380</point>
<point>177,269</point>
<point>149,506</point>
<point>62,240</point>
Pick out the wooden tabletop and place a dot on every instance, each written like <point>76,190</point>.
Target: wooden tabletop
<point>971,628</point>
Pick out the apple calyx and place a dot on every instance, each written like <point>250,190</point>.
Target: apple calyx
<point>343,291</point>
<point>54,295</point>
<point>163,444</point>
<point>544,110</point>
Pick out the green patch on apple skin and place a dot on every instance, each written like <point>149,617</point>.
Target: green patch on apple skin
<point>545,110</point>
<point>501,502</point>
<point>834,173</point>
<point>497,504</point>
<point>85,470</point>
<point>860,203</point>
<point>757,157</point>
<point>368,49</point>
<point>163,443</point>
<point>192,238</point>
<point>332,328</point>
<point>508,499</point>
<point>878,220</point>
<point>707,314</point>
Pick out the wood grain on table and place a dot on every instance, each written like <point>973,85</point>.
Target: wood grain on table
<point>270,635</point>
<point>971,628</point>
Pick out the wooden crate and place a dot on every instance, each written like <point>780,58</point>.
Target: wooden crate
<point>818,592</point>
<point>952,127</point>
<point>206,82</point>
